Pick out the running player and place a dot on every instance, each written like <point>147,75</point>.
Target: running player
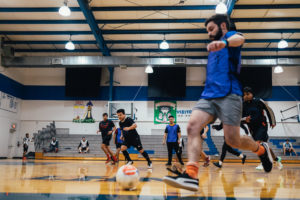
<point>130,137</point>
<point>253,115</point>
<point>107,127</point>
<point>221,98</point>
<point>228,148</point>
<point>172,137</point>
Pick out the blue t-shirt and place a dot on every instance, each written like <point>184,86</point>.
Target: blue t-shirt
<point>172,132</point>
<point>222,69</point>
<point>118,136</point>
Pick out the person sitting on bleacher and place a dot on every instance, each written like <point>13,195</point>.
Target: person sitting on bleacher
<point>83,146</point>
<point>288,147</point>
<point>53,145</point>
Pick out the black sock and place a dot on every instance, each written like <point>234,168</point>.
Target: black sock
<point>126,155</point>
<point>145,154</point>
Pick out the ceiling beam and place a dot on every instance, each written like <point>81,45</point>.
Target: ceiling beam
<point>35,42</point>
<point>144,31</point>
<point>230,5</point>
<point>149,8</point>
<point>146,21</point>
<point>154,50</point>
<point>97,32</point>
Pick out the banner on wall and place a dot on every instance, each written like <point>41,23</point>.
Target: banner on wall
<point>8,102</point>
<point>79,111</point>
<point>162,110</point>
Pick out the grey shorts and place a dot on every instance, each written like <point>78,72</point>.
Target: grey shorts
<point>228,109</point>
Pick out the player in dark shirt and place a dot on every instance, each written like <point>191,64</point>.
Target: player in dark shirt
<point>107,127</point>
<point>254,110</point>
<point>130,137</point>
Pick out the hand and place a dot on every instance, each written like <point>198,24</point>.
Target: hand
<point>248,119</point>
<point>126,129</point>
<point>98,131</point>
<point>122,137</point>
<point>216,46</point>
<point>273,125</point>
<point>109,133</point>
<point>179,141</point>
<point>164,142</point>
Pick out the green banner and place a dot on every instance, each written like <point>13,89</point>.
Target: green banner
<point>162,110</point>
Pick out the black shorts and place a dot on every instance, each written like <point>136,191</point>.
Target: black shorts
<point>106,139</point>
<point>118,145</point>
<point>83,148</point>
<point>134,141</point>
<point>25,148</point>
<point>261,134</point>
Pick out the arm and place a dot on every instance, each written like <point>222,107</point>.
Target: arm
<point>244,128</point>
<point>178,134</point>
<point>79,145</point>
<point>165,136</point>
<point>235,40</point>
<point>114,136</point>
<point>204,135</point>
<point>132,127</point>
<point>87,144</point>
<point>269,112</point>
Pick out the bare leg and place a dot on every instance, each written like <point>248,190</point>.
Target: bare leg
<point>199,119</point>
<point>117,153</point>
<point>109,151</point>
<point>103,147</point>
<point>203,155</point>
<point>235,140</point>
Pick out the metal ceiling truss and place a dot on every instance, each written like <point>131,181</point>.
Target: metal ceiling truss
<point>150,8</point>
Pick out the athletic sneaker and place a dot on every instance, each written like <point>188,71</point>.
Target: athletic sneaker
<point>217,164</point>
<point>259,167</point>
<point>206,162</point>
<point>280,166</point>
<point>183,181</point>
<point>149,165</point>
<point>130,162</point>
<point>168,164</point>
<point>244,159</point>
<point>266,159</point>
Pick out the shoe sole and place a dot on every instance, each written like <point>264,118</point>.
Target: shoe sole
<point>266,146</point>
<point>173,183</point>
<point>217,166</point>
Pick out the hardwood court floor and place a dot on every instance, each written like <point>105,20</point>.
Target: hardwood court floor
<point>88,180</point>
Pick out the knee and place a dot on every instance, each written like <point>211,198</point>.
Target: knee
<point>192,126</point>
<point>103,146</point>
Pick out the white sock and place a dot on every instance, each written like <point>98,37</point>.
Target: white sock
<point>220,162</point>
<point>241,156</point>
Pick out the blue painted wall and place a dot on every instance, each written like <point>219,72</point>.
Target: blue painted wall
<point>122,93</point>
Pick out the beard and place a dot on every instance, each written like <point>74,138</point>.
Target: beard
<point>218,35</point>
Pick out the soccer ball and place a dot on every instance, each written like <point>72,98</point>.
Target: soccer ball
<point>128,177</point>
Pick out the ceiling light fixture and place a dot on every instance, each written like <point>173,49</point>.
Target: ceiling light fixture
<point>70,45</point>
<point>65,10</point>
<point>164,44</point>
<point>221,8</point>
<point>278,69</point>
<point>149,69</point>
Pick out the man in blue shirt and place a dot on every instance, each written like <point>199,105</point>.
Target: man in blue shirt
<point>172,136</point>
<point>221,98</point>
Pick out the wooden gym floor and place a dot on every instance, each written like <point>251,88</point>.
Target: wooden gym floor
<point>89,180</point>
